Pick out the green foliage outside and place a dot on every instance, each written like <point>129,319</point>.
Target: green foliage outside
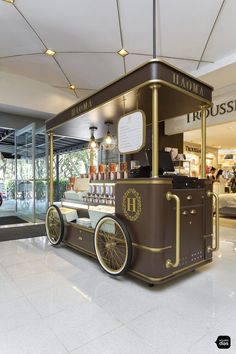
<point>62,188</point>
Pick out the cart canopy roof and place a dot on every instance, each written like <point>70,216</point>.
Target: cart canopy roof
<point>179,93</point>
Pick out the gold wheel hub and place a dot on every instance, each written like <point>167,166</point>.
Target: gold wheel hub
<point>110,245</point>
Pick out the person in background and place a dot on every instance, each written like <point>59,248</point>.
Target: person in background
<point>211,175</point>
<point>233,180</point>
<point>220,183</point>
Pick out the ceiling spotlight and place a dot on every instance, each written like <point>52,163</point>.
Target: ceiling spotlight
<point>123,52</point>
<point>9,1</point>
<point>72,87</point>
<point>92,142</point>
<point>50,52</point>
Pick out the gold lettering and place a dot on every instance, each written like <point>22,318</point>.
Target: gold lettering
<point>187,84</point>
<point>182,83</point>
<point>81,107</point>
<point>131,205</point>
<point>175,79</point>
<point>195,88</point>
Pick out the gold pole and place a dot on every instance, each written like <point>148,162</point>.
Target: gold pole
<point>155,137</point>
<point>51,169</point>
<point>203,142</point>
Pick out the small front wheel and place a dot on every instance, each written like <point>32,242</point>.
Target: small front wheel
<point>113,245</point>
<point>54,225</point>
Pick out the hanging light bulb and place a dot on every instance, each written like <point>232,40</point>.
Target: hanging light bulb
<point>109,141</point>
<point>108,138</point>
<point>92,142</point>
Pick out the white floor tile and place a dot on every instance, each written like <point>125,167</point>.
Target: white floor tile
<point>55,300</point>
<point>39,281</point>
<point>16,314</point>
<point>79,326</point>
<point>34,338</point>
<point>119,341</point>
<point>27,268</point>
<point>9,292</point>
<point>166,330</point>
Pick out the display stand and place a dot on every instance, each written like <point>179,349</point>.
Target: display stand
<point>161,226</point>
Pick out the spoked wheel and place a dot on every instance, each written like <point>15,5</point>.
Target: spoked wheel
<point>113,245</point>
<point>54,225</point>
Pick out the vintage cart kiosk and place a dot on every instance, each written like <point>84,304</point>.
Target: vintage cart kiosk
<point>160,226</point>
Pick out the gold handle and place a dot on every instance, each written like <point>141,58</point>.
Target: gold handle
<point>193,212</point>
<point>185,212</point>
<point>189,197</point>
<point>217,235</point>
<point>169,262</point>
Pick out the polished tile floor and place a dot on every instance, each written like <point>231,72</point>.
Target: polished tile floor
<point>54,301</point>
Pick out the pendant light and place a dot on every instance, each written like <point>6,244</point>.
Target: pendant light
<point>109,141</point>
<point>92,142</point>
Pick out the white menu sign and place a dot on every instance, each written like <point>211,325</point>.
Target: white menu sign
<point>131,132</point>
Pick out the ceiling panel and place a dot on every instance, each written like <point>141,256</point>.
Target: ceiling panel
<point>185,65</point>
<point>136,22</point>
<point>222,42</point>
<point>74,25</point>
<point>185,26</point>
<point>133,61</point>
<point>16,36</point>
<point>80,93</point>
<point>222,77</point>
<point>37,67</point>
<point>91,71</point>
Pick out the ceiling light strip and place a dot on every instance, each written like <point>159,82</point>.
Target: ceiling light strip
<point>84,52</point>
<point>154,25</point>
<point>212,29</point>
<point>19,55</point>
<point>29,24</point>
<point>63,72</point>
<point>35,32</point>
<point>121,34</point>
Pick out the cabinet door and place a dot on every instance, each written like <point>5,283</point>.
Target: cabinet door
<point>192,235</point>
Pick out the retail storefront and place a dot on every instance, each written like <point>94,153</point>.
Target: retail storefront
<point>221,147</point>
<point>192,154</point>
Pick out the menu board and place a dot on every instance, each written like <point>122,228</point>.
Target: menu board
<point>131,132</point>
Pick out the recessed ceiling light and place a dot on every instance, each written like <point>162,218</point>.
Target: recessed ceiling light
<point>72,87</point>
<point>123,52</point>
<point>50,52</point>
<point>10,1</point>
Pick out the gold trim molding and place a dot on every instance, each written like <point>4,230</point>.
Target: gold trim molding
<point>153,279</point>
<point>151,249</point>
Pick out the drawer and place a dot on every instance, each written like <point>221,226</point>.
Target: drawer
<point>80,237</point>
<point>191,197</point>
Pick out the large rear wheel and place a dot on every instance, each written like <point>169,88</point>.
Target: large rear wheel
<point>113,245</point>
<point>54,225</point>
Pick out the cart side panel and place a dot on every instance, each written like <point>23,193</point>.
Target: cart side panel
<point>155,228</point>
<point>80,238</point>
